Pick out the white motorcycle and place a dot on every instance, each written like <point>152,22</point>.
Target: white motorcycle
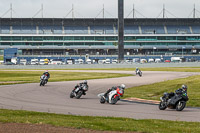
<point>139,73</point>
<point>43,80</point>
<point>112,96</point>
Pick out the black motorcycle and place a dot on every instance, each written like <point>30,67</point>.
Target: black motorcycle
<point>43,80</point>
<point>78,91</point>
<point>177,101</point>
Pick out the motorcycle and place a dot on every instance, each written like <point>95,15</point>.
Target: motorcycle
<point>78,91</point>
<point>43,80</point>
<point>178,101</point>
<point>139,73</point>
<point>112,96</point>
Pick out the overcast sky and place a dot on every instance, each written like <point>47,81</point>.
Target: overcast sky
<point>91,8</point>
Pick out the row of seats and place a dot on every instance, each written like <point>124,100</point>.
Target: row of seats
<point>99,29</point>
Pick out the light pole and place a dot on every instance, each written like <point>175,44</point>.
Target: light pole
<point>121,30</point>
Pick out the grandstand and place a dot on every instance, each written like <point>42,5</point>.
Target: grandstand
<point>77,36</point>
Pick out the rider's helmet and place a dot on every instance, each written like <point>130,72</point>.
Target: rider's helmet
<point>123,86</point>
<point>184,87</point>
<point>85,81</point>
<point>46,71</point>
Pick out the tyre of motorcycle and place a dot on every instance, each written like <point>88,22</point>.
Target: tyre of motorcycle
<point>180,105</point>
<point>43,82</point>
<point>40,82</point>
<point>102,100</point>
<point>72,94</point>
<point>162,106</point>
<point>79,94</point>
<point>140,73</point>
<point>114,100</point>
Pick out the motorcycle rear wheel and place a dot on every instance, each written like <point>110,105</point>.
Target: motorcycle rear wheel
<point>114,100</point>
<point>162,106</point>
<point>180,106</point>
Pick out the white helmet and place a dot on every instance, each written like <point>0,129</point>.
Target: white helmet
<point>184,87</point>
<point>85,82</point>
<point>123,86</point>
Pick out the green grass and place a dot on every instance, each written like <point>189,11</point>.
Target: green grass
<point>1,57</point>
<point>156,90</point>
<point>99,123</point>
<point>34,76</point>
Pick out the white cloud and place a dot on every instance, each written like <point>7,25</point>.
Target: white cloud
<point>90,8</point>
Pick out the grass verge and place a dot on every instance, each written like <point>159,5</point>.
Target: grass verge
<point>98,123</point>
<point>14,77</point>
<point>156,90</point>
<point>1,58</point>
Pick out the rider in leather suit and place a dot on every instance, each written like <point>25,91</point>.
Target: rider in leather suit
<point>179,91</point>
<point>81,84</point>
<point>122,86</point>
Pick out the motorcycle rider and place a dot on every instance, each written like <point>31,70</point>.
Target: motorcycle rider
<point>122,87</point>
<point>181,90</point>
<point>46,73</point>
<point>137,70</point>
<point>82,84</point>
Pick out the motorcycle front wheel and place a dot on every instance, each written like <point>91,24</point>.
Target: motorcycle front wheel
<point>180,106</point>
<point>71,95</point>
<point>102,100</point>
<point>79,94</point>
<point>162,106</point>
<point>140,74</point>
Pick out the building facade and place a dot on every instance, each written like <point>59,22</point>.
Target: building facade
<point>54,36</point>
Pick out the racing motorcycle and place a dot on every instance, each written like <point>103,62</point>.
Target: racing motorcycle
<point>178,101</point>
<point>43,80</point>
<point>139,73</point>
<point>112,96</point>
<point>78,91</point>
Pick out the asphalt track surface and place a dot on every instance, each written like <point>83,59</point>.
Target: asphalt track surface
<point>54,98</point>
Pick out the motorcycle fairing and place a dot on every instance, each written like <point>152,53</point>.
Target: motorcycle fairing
<point>111,94</point>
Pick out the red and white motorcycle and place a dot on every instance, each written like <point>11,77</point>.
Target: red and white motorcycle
<point>112,96</point>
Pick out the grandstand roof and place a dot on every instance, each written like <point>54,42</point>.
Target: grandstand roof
<point>99,21</point>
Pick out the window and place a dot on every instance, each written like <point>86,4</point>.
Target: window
<point>6,38</point>
<point>67,38</point>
